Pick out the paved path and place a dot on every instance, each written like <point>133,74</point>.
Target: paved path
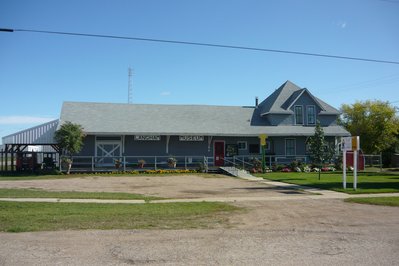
<point>313,193</point>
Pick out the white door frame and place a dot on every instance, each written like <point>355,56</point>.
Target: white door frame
<point>118,144</point>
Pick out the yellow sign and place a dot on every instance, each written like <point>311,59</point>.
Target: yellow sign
<point>355,143</point>
<point>263,138</point>
<point>350,143</point>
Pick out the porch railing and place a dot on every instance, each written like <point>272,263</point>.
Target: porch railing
<point>130,163</point>
<point>141,163</point>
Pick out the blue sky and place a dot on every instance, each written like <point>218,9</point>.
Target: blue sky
<point>40,71</point>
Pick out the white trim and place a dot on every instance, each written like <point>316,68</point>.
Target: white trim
<point>311,96</point>
<point>303,119</point>
<point>268,147</point>
<point>167,144</point>
<point>209,143</point>
<point>115,137</point>
<point>307,116</point>
<point>285,146</point>
<point>246,145</point>
<point>114,142</point>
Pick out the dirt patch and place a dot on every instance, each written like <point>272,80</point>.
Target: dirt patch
<point>305,232</point>
<point>181,186</point>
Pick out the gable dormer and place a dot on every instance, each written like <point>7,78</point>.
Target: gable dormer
<point>305,108</point>
<point>292,105</point>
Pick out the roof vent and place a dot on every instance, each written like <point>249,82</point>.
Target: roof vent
<point>256,102</point>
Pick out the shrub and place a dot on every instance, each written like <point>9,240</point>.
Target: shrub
<point>279,167</point>
<point>307,169</point>
<point>141,163</point>
<point>256,162</point>
<point>338,163</point>
<point>201,167</point>
<point>286,169</point>
<point>294,164</point>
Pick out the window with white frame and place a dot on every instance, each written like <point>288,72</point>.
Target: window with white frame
<point>298,114</point>
<point>311,114</point>
<point>242,145</point>
<point>267,147</point>
<point>290,147</point>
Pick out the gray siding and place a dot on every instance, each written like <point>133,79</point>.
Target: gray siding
<point>190,148</point>
<point>277,119</point>
<point>144,148</point>
<point>328,120</point>
<point>198,148</point>
<point>304,101</point>
<point>88,146</point>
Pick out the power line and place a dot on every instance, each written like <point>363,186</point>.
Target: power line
<point>205,44</point>
<point>366,84</point>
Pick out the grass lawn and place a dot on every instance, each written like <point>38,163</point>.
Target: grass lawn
<point>38,193</point>
<point>367,182</point>
<point>386,201</point>
<point>28,216</point>
<point>34,177</point>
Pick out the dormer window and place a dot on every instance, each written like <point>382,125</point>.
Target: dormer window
<point>298,114</point>
<point>311,114</point>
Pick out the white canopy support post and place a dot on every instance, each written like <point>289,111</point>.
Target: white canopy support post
<point>209,143</point>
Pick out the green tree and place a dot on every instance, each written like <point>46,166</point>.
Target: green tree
<point>70,139</point>
<point>320,151</point>
<point>374,121</point>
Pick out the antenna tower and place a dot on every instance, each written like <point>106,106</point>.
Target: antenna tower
<point>130,87</point>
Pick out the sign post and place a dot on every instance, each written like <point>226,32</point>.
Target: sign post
<point>346,145</point>
<point>344,169</point>
<point>355,148</point>
<point>350,144</point>
<point>263,138</point>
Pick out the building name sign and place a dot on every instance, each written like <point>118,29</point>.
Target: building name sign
<point>147,137</point>
<point>350,143</point>
<point>191,138</point>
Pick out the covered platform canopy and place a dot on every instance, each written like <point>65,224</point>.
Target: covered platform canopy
<point>29,143</point>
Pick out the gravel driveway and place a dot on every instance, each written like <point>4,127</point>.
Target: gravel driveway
<point>181,186</point>
<point>294,232</point>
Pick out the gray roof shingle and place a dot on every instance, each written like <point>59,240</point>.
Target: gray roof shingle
<point>286,95</point>
<point>128,119</point>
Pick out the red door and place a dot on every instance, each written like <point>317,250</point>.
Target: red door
<point>218,147</point>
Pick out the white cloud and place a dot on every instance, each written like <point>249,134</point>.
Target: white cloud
<point>15,119</point>
<point>341,24</point>
<point>166,93</point>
